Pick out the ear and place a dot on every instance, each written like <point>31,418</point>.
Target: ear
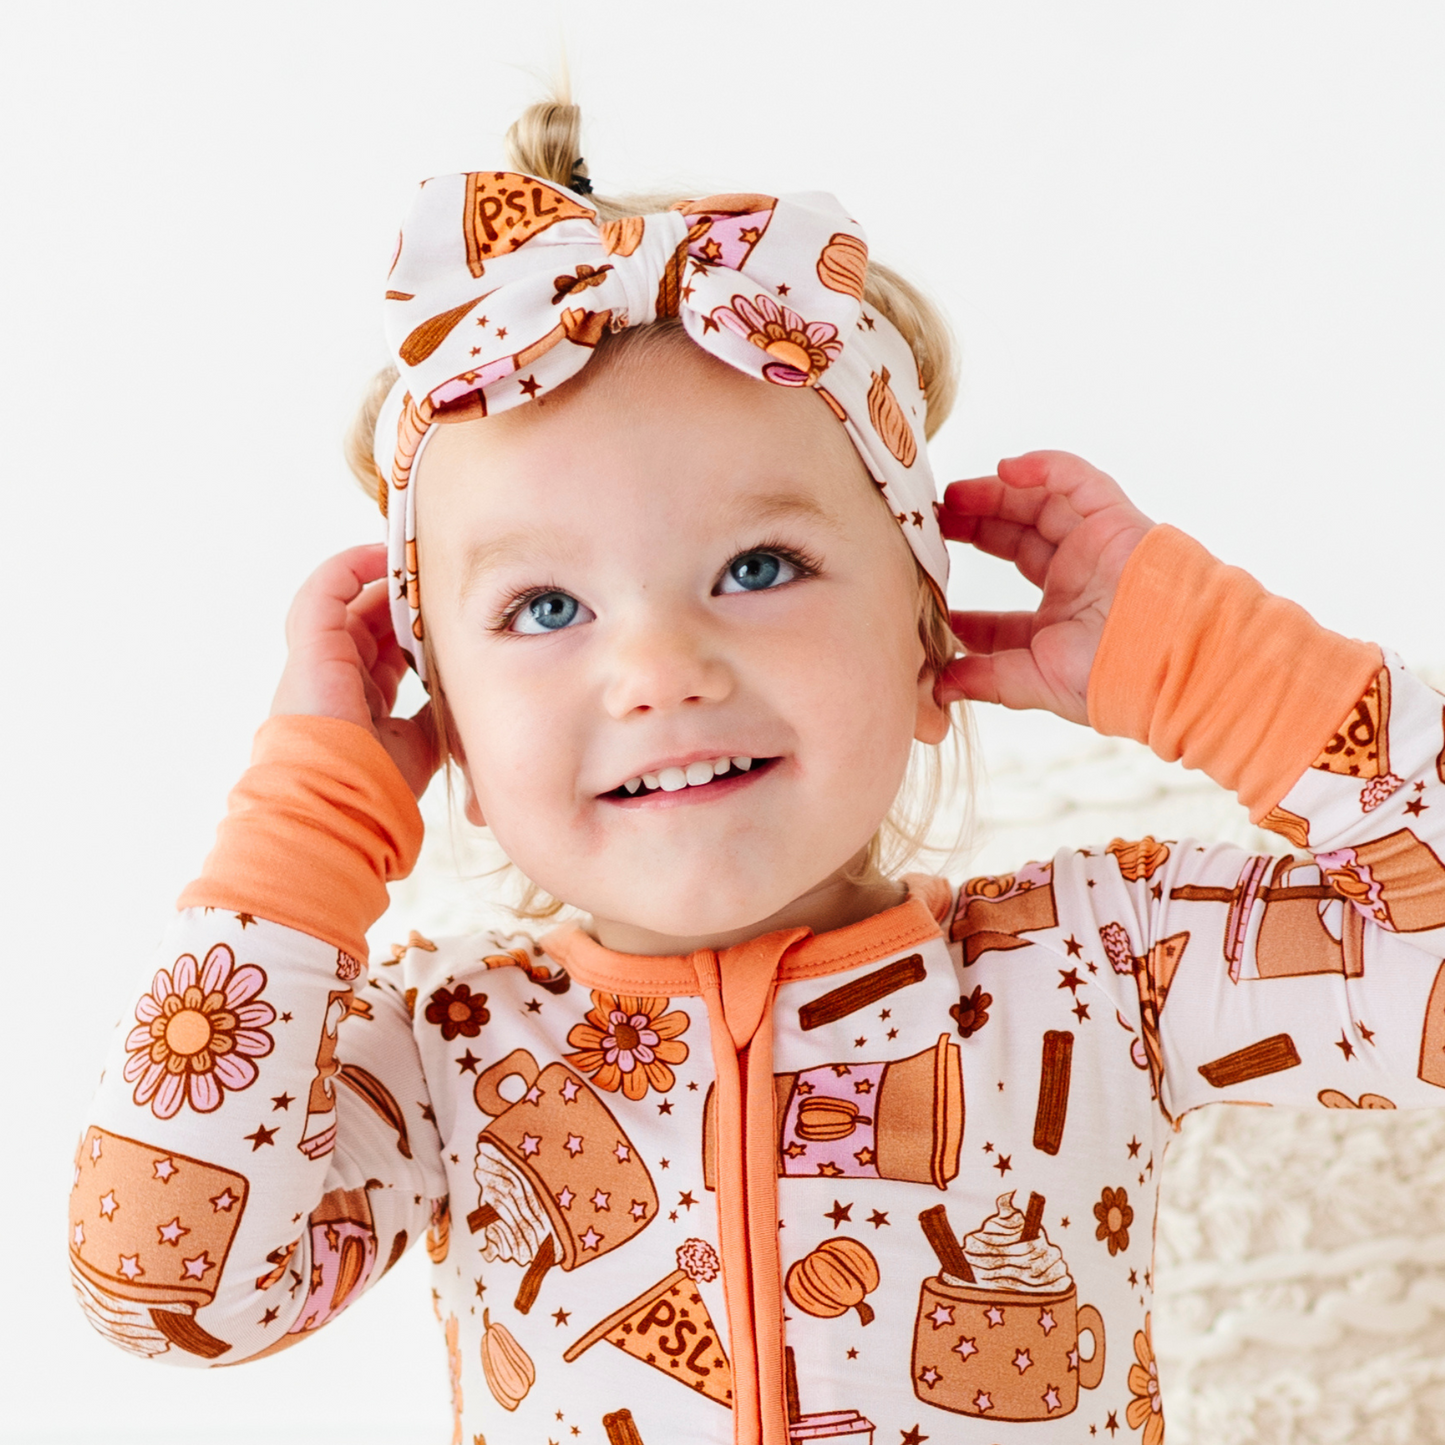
<point>930,723</point>
<point>471,809</point>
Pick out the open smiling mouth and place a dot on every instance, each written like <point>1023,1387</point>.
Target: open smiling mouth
<point>695,776</point>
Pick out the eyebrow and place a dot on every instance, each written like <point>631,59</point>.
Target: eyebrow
<point>529,543</point>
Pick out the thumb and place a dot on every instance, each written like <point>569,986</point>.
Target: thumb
<point>413,745</point>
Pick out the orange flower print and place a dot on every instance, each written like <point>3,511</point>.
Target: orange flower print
<point>801,351</point>
<point>1145,1408</point>
<point>197,1033</point>
<point>458,1011</point>
<point>1115,1214</point>
<point>629,1042</point>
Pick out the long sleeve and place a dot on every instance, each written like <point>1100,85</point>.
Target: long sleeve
<point>1305,978</point>
<point>262,1146</point>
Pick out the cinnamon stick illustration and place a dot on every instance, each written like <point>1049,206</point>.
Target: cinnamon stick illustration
<point>620,1428</point>
<point>1055,1071</point>
<point>790,1380</point>
<point>850,997</point>
<point>1268,1056</point>
<point>542,1261</point>
<point>939,1233</point>
<point>1033,1218</point>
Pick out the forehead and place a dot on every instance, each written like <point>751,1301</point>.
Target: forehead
<point>646,428</point>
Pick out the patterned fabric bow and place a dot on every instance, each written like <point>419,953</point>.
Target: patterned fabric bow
<point>503,285</point>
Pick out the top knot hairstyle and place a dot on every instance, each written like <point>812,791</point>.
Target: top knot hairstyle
<point>546,142</point>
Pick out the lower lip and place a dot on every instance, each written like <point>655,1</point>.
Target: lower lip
<point>718,788</point>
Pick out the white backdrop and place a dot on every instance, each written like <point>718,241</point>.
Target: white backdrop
<point>1200,246</point>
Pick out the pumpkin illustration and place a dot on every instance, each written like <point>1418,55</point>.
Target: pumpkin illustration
<point>834,1279</point>
<point>888,420</point>
<point>1139,860</point>
<point>439,1232</point>
<point>507,1366</point>
<point>622,237</point>
<point>843,266</point>
<point>826,1119</point>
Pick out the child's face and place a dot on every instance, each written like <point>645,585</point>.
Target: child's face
<point>667,563</point>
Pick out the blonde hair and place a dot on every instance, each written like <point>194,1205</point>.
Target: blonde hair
<point>546,141</point>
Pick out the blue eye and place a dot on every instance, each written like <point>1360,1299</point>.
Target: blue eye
<point>757,571</point>
<point>550,612</point>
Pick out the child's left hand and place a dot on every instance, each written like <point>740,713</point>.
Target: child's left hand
<point>1069,529</point>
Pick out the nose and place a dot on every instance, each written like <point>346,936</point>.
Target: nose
<point>658,660</point>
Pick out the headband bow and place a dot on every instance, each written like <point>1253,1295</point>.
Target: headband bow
<point>503,285</point>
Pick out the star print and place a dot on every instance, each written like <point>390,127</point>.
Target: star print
<point>994,1315</point>
<point>708,324</point>
<point>1345,1046</point>
<point>864,1156</point>
<point>859,1042</point>
<point>1000,1086</point>
<point>672,1216</point>
<point>663,1163</point>
<point>868,322</point>
<point>912,1437</point>
<point>1367,1034</point>
<point>245,918</point>
<point>1050,1397</point>
<point>795,1150</point>
<point>591,1239</point>
<point>965,1347</point>
<point>685,1200</point>
<point>427,1112</point>
<point>269,1317</point>
<point>530,387</point>
<point>1133,1146</point>
<point>852,1354</point>
<point>95,1148</point>
<point>534,1005</point>
<point>196,1268</point>
<point>1046,1322</point>
<point>1081,1011</point>
<point>533,1096</point>
<point>1022,1362</point>
<point>481,1288</point>
<point>561,1316</point>
<point>78,1236</point>
<point>637,1209</point>
<point>501,333</point>
<point>1003,1164</point>
<point>281,1101</point>
<point>892,1033</point>
<point>692,1086</point>
<point>941,1315</point>
<point>171,1233</point>
<point>783,289</point>
<point>262,1136</point>
<point>878,1218</point>
<point>1076,949</point>
<point>476,351</point>
<point>565,1198</point>
<point>863,1086</point>
<point>573,1145</point>
<point>982,1402</point>
<point>1064,1222</point>
<point>1092,967</point>
<point>531,1143</point>
<point>570,1090</point>
<point>1416,806</point>
<point>1070,980</point>
<point>601,1201</point>
<point>839,1214</point>
<point>988,1148</point>
<point>481,320</point>
<point>1133,1279</point>
<point>1112,1423</point>
<point>286,1017</point>
<point>130,1266</point>
<point>885,1014</point>
<point>665,1107</point>
<point>468,1062</point>
<point>929,1377</point>
<point>108,1205</point>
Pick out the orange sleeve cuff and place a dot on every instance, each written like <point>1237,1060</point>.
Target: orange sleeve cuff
<point>318,825</point>
<point>1205,666</point>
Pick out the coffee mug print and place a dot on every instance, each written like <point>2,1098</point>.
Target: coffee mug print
<point>997,1334</point>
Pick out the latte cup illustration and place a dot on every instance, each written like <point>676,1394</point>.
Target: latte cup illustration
<point>997,1335</point>
<point>559,1181</point>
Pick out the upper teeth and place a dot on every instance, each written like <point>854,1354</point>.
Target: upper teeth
<point>694,775</point>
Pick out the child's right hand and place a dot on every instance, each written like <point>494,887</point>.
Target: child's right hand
<point>343,660</point>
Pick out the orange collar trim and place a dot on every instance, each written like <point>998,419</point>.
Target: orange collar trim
<point>790,954</point>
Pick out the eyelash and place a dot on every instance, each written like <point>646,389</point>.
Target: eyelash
<point>802,561</point>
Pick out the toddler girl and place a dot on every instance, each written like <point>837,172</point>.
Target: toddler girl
<point>775,1147</point>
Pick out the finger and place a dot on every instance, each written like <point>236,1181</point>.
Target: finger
<point>322,601</point>
<point>989,497</point>
<point>993,631</point>
<point>412,745</point>
<point>1065,475</point>
<point>1025,547</point>
<point>1011,679</point>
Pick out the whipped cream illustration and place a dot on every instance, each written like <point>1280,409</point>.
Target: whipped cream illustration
<point>515,1237</point>
<point>1002,1259</point>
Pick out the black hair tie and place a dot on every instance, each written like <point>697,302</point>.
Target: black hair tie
<point>579,182</point>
